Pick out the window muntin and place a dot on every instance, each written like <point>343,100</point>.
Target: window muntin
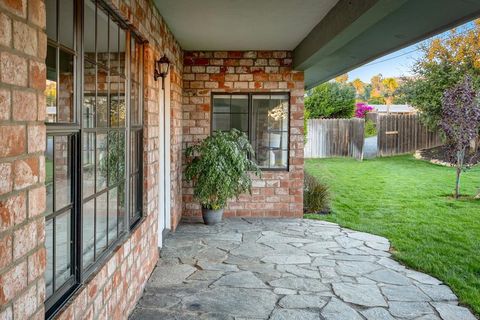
<point>87,135</point>
<point>263,117</point>
<point>60,212</point>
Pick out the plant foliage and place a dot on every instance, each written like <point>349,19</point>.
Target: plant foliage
<point>460,122</point>
<point>220,167</point>
<point>444,63</point>
<point>316,195</point>
<point>330,100</point>
<point>370,129</point>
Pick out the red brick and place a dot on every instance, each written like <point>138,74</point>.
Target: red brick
<point>6,182</point>
<point>18,7</point>
<point>36,138</point>
<point>5,30</point>
<point>24,240</point>
<point>36,264</point>
<point>5,104</point>
<point>24,38</point>
<point>24,106</point>
<point>12,282</point>
<point>26,172</point>
<point>36,201</point>
<point>37,75</point>
<point>25,306</point>
<point>36,12</point>
<point>5,251</point>
<point>13,69</point>
<point>13,140</point>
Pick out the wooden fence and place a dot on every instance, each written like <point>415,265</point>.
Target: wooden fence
<point>335,138</point>
<point>399,134</point>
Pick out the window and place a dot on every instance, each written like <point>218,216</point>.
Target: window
<point>94,120</point>
<point>263,117</point>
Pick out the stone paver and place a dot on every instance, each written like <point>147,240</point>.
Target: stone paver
<point>288,269</point>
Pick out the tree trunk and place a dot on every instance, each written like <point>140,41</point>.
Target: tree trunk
<point>460,158</point>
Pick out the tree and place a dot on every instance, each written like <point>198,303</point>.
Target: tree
<point>330,100</point>
<point>460,121</point>
<point>390,85</point>
<point>343,78</point>
<point>359,87</point>
<point>377,87</point>
<point>444,63</point>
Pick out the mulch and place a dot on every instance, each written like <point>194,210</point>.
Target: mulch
<point>438,155</point>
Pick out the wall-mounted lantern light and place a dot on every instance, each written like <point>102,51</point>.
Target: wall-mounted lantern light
<point>161,69</point>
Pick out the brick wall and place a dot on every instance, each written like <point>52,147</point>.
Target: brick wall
<point>277,193</point>
<point>22,143</point>
<point>112,291</point>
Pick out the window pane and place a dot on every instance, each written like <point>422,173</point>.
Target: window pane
<point>51,85</point>
<point>134,105</point>
<point>270,130</point>
<point>121,207</point>
<point>221,122</point>
<point>121,103</point>
<point>89,29</point>
<point>122,49</point>
<point>133,151</point>
<point>122,155</point>
<point>114,106</point>
<point>88,175</point>
<point>88,234</point>
<point>49,249</point>
<point>65,95</point>
<point>49,173</point>
<point>102,98</point>
<point>102,161</point>
<point>63,256</point>
<point>102,37</point>
<point>101,223</point>
<point>239,104</point>
<point>89,100</point>
<point>134,59</point>
<point>221,104</point>
<point>51,10</point>
<point>66,22</point>
<point>133,198</point>
<point>112,214</point>
<point>63,171</point>
<point>239,121</point>
<point>113,48</point>
<point>113,157</point>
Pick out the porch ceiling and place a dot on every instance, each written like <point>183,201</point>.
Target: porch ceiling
<point>242,24</point>
<point>328,37</point>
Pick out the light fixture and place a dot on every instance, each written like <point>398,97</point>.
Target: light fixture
<point>161,69</point>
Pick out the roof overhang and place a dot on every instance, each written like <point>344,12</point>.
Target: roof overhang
<point>328,37</point>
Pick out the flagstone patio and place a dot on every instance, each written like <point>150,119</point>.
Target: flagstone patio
<point>288,269</point>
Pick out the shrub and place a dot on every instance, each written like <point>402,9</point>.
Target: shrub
<point>220,167</point>
<point>330,100</point>
<point>370,128</point>
<point>316,196</point>
<point>361,110</point>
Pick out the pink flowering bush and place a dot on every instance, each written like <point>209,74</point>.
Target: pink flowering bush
<point>361,110</point>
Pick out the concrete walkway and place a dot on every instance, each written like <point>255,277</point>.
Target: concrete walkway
<point>288,269</point>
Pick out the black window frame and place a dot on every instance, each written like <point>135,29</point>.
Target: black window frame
<point>75,131</point>
<point>250,118</point>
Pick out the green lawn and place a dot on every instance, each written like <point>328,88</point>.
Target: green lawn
<point>408,201</point>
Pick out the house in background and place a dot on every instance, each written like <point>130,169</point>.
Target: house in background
<point>393,109</point>
<point>93,125</point>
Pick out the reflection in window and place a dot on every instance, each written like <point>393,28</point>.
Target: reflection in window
<point>270,130</point>
<point>58,229</point>
<point>264,118</point>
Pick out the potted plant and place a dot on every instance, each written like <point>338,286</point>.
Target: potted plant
<point>220,169</point>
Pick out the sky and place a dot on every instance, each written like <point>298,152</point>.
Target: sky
<point>395,64</point>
